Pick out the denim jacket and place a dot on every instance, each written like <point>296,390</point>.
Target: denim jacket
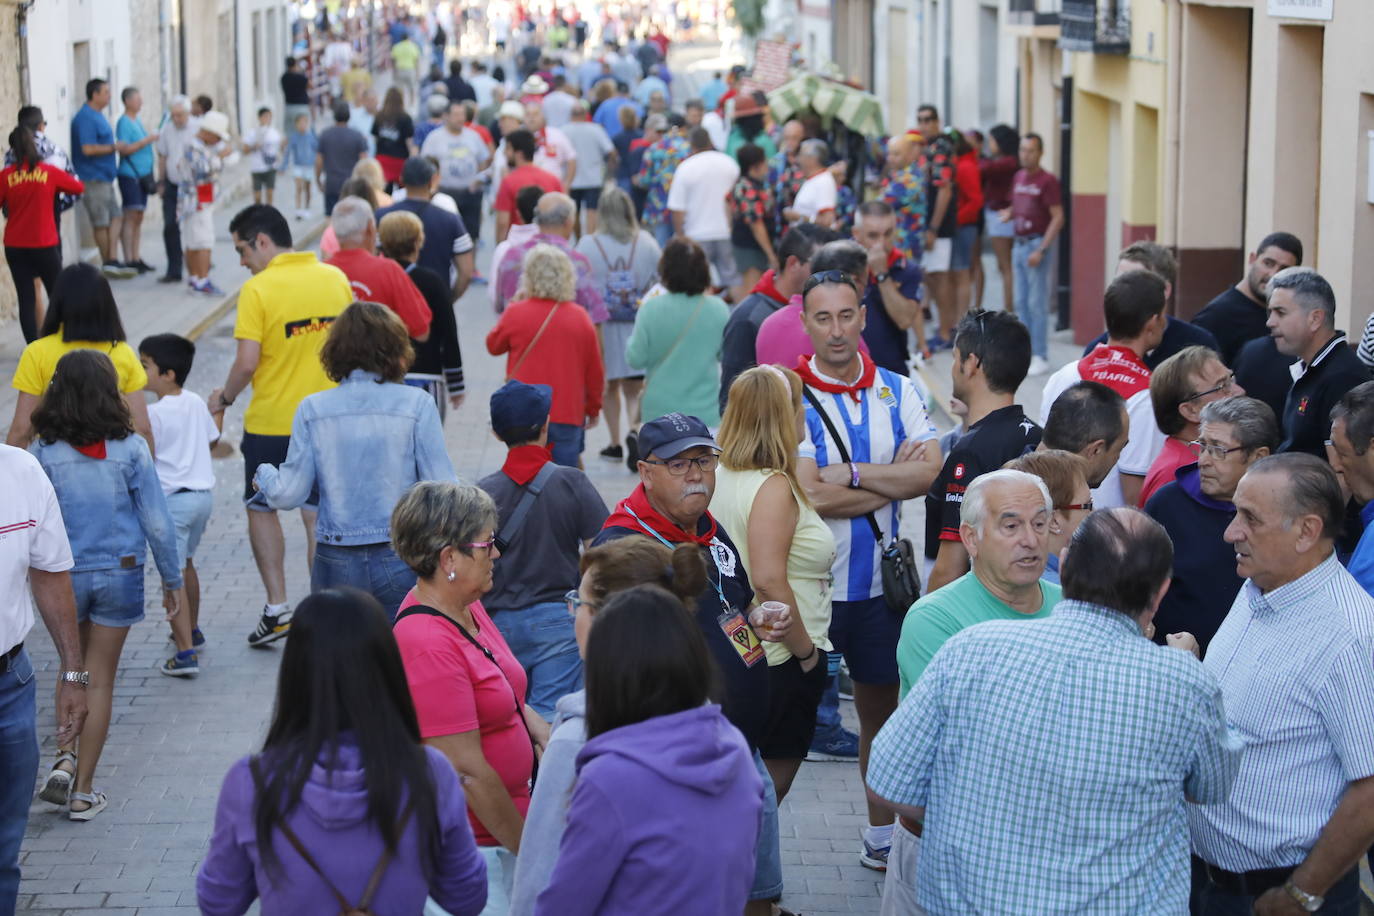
<point>364,443</point>
<point>112,505</point>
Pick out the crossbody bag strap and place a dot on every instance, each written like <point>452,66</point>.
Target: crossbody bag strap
<point>844,453</point>
<point>296,844</point>
<point>532,491</point>
<point>376,879</point>
<point>534,340</point>
<point>681,334</point>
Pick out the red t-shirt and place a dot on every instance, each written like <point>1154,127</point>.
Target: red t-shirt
<point>28,199</point>
<point>481,132</point>
<point>1173,456</point>
<point>456,689</point>
<point>382,280</point>
<point>523,177</point>
<point>1031,199</point>
<point>970,184</point>
<point>566,357</point>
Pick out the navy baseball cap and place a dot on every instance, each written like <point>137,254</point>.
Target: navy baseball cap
<point>672,434</point>
<point>516,405</point>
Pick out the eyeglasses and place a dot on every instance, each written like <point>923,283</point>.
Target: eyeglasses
<point>1217,452</point>
<point>1225,384</point>
<point>828,276</point>
<point>678,466</point>
<point>488,546</point>
<point>573,599</point>
<point>1076,507</point>
<point>926,118</point>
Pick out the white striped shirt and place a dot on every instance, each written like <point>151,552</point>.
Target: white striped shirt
<point>1296,668</point>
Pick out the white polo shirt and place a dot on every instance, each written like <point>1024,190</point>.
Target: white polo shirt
<point>816,195</point>
<point>31,535</point>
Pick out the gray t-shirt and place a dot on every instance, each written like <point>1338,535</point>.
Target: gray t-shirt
<point>540,563</point>
<point>460,156</point>
<point>623,271</point>
<point>341,148</point>
<point>592,144</point>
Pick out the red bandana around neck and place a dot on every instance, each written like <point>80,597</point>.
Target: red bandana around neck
<point>809,376</point>
<point>637,504</point>
<point>94,450</point>
<point>767,286</point>
<point>524,461</point>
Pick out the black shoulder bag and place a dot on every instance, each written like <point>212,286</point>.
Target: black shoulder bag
<point>506,535</point>
<point>901,582</point>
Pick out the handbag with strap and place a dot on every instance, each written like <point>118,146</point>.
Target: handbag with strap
<point>506,536</point>
<point>361,908</point>
<point>533,340</point>
<point>901,583</point>
<point>519,706</point>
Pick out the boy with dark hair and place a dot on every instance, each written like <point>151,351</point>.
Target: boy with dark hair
<point>184,431</point>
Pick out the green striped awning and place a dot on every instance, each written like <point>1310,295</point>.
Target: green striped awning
<point>856,109</point>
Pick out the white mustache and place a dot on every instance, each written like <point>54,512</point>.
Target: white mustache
<point>696,489</point>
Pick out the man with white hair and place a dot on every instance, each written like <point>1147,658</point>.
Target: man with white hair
<point>815,201</point>
<point>170,146</point>
<point>554,152</point>
<point>195,174</point>
<point>373,277</point>
<point>554,216</point>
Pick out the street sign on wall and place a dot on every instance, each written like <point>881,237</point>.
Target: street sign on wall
<point>1302,9</point>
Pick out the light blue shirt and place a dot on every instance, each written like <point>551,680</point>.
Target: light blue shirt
<point>363,444</point>
<point>1296,668</point>
<point>131,130</point>
<point>1052,757</point>
<point>1362,560</point>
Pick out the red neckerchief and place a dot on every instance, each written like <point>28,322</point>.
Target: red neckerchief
<point>1119,368</point>
<point>809,376</point>
<point>94,450</point>
<point>524,461</point>
<point>767,287</point>
<point>638,503</point>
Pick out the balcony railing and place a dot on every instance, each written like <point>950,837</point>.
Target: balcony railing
<point>1033,12</point>
<point>1098,26</point>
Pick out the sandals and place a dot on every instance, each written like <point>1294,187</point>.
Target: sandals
<point>96,800</point>
<point>59,782</point>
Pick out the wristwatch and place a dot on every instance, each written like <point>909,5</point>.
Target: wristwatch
<point>227,402</point>
<point>79,678</point>
<point>1309,902</point>
<point>881,278</point>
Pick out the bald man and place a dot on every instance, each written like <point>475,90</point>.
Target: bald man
<point>905,192</point>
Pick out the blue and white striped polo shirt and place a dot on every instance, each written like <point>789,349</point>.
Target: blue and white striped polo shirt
<point>889,413</point>
<point>1296,668</point>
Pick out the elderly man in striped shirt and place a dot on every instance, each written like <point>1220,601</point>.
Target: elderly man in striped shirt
<point>1295,659</point>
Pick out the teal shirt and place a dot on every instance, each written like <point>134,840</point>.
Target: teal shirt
<point>681,362</point>
<point>762,141</point>
<point>937,616</point>
<point>128,130</point>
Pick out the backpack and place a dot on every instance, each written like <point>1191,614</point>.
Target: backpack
<point>622,293</point>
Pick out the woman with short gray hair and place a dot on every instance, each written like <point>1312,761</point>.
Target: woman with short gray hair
<point>624,261</point>
<point>467,686</point>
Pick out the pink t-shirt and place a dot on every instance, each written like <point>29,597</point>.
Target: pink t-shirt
<point>456,689</point>
<point>782,340</point>
<point>1173,456</point>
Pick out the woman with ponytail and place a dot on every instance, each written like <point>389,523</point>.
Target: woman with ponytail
<point>28,192</point>
<point>614,567</point>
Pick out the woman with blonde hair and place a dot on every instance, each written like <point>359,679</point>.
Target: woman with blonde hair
<point>550,340</point>
<point>370,170</point>
<point>624,261</point>
<point>787,550</point>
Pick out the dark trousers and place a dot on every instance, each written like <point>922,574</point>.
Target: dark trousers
<point>171,232</point>
<point>26,265</point>
<point>329,201</point>
<point>469,210</point>
<point>1343,899</point>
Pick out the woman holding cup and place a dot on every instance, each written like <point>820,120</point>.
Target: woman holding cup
<point>787,549</point>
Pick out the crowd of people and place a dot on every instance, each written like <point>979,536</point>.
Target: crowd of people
<point>1131,674</point>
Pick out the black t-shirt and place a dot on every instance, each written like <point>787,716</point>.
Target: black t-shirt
<point>440,354</point>
<point>540,564</point>
<point>887,342</point>
<point>1263,372</point>
<point>745,702</point>
<point>1307,409</point>
<point>1178,335</point>
<point>1002,435</point>
<point>445,234</point>
<point>392,136</point>
<point>459,89</point>
<point>295,87</point>
<point>1234,320</point>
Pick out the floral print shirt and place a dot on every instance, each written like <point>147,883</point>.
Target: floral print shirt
<point>905,192</point>
<point>656,177</point>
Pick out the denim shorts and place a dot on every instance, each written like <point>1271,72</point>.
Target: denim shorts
<point>190,511</point>
<point>566,441</point>
<point>258,449</point>
<point>768,852</point>
<point>866,633</point>
<point>131,193</point>
<point>961,257</point>
<point>109,597</point>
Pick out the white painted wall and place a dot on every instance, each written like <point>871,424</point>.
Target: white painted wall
<point>264,36</point>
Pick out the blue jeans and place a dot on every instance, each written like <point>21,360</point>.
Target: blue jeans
<point>663,232</point>
<point>566,441</point>
<point>374,568</point>
<point>541,638</point>
<point>768,850</point>
<point>18,764</point>
<point>828,713</point>
<point>1031,292</point>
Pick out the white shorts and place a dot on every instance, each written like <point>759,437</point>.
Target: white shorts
<point>198,230</point>
<point>937,259</point>
<point>899,887</point>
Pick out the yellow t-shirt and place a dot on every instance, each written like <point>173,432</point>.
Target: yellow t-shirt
<point>287,309</point>
<point>405,55</point>
<point>39,360</point>
<point>808,561</point>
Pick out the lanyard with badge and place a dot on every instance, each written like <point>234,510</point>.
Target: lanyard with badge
<point>737,631</point>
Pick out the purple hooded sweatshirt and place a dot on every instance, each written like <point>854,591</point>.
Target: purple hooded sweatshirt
<point>331,822</point>
<point>664,819</point>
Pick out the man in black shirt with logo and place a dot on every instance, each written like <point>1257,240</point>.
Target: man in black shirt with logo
<point>992,352</point>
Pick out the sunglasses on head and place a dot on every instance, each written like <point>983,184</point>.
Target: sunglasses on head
<point>828,276</point>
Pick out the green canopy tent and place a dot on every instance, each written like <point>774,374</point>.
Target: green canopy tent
<point>857,110</point>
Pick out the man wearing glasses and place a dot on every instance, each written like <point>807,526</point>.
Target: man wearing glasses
<point>1195,509</point>
<point>869,447</point>
<point>1179,388</point>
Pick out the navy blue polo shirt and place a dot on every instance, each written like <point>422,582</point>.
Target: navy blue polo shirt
<point>887,342</point>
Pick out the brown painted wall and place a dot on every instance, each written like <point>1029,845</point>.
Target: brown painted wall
<point>1088,278</point>
<point>1202,274</point>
